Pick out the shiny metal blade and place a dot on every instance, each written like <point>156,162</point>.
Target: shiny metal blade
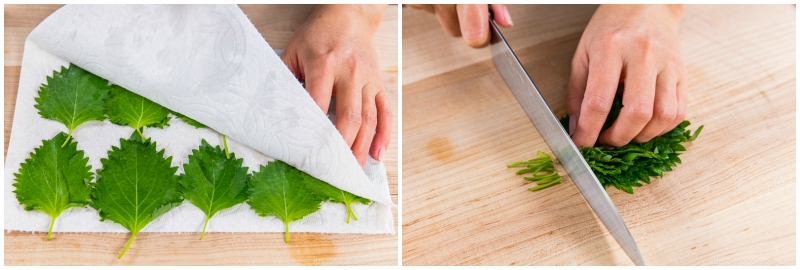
<point>560,143</point>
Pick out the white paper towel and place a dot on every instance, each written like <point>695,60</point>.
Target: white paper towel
<point>211,64</point>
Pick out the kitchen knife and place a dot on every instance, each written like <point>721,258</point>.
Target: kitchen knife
<point>559,142</point>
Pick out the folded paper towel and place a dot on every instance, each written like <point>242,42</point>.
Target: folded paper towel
<point>211,64</point>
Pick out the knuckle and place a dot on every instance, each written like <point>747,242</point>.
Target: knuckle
<point>642,138</point>
<point>351,118</point>
<point>354,63</point>
<point>369,118</point>
<point>680,115</point>
<point>617,142</point>
<point>387,111</point>
<point>597,104</point>
<point>603,49</point>
<point>613,38</point>
<point>361,150</point>
<point>664,115</point>
<point>645,43</point>
<point>325,60</point>
<point>640,114</point>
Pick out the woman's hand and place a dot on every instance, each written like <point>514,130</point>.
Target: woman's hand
<point>469,21</point>
<point>333,53</point>
<point>637,45</point>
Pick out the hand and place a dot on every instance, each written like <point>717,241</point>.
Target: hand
<point>637,45</point>
<point>333,53</point>
<point>469,21</point>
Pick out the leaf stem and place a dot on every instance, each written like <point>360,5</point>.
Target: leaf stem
<point>286,237</point>
<point>133,235</point>
<point>138,130</point>
<point>351,213</point>
<point>544,186</point>
<point>204,228</point>
<point>225,144</point>
<point>67,140</point>
<point>50,231</point>
<point>347,205</point>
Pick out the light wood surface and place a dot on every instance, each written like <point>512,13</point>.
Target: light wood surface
<point>276,24</point>
<point>731,202</point>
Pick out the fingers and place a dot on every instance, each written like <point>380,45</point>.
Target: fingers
<point>428,8</point>
<point>448,18</point>
<point>348,110</point>
<point>682,100</point>
<point>665,106</point>
<point>469,21</point>
<point>576,87</point>
<point>637,100</point>
<point>601,86</point>
<point>501,15</point>
<point>383,131</point>
<point>369,121</point>
<point>319,83</point>
<point>289,58</point>
<point>474,24</point>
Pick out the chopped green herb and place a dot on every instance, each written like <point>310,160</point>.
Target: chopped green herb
<point>626,167</point>
<point>543,169</point>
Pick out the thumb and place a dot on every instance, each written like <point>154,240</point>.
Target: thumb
<point>290,59</point>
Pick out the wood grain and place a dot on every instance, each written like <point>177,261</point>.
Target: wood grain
<point>731,202</point>
<point>276,23</point>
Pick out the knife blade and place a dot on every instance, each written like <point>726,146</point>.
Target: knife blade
<point>548,126</point>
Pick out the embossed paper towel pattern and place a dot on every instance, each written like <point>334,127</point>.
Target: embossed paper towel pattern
<point>177,139</point>
<point>211,64</point>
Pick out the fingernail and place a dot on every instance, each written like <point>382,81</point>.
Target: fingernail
<point>572,121</point>
<point>508,16</point>
<point>380,153</point>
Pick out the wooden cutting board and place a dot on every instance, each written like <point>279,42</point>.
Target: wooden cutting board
<point>276,24</point>
<point>731,202</point>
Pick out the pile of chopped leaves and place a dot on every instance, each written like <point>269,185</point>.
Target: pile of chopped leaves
<point>627,166</point>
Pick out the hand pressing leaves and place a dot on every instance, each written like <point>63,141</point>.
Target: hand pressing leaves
<point>54,178</point>
<point>129,109</point>
<point>334,194</point>
<point>625,167</point>
<point>72,97</point>
<point>213,182</point>
<point>278,190</point>
<point>135,186</point>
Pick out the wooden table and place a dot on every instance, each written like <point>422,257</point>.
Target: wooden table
<point>276,24</point>
<point>731,202</point>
